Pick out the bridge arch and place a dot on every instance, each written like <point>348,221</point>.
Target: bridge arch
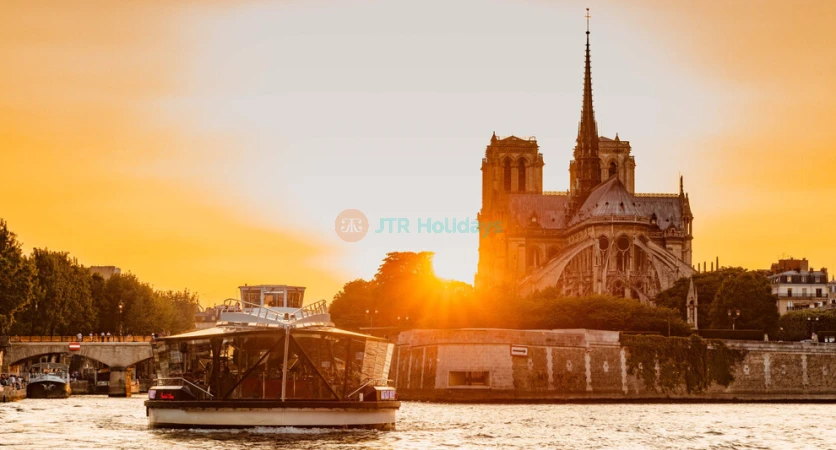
<point>111,354</point>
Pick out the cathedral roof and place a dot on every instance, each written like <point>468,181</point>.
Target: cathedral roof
<point>609,198</point>
<point>549,210</point>
<point>667,208</point>
<point>514,140</point>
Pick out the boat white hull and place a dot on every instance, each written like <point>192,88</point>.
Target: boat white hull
<point>260,416</point>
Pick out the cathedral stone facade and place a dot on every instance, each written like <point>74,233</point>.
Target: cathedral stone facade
<point>599,237</point>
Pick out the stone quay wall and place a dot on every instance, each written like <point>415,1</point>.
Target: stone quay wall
<point>10,394</point>
<point>589,365</point>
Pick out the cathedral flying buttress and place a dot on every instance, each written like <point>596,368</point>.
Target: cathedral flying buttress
<point>599,237</point>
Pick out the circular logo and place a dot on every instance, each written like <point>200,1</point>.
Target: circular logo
<point>351,225</point>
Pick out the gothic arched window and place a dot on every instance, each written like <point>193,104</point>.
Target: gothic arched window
<point>521,176</point>
<point>534,257</point>
<point>603,243</point>
<point>613,169</point>
<point>507,174</point>
<point>622,257</point>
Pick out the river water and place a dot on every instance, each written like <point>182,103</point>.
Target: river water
<point>99,422</point>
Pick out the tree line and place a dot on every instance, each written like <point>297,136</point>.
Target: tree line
<point>406,293</point>
<point>49,293</point>
<point>728,289</point>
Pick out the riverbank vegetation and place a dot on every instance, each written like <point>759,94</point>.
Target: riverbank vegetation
<point>666,364</point>
<point>50,293</point>
<point>800,325</point>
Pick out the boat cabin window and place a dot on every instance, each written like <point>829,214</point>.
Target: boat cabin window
<point>252,296</point>
<point>294,299</point>
<point>273,299</point>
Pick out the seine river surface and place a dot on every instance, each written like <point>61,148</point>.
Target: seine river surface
<point>101,422</point>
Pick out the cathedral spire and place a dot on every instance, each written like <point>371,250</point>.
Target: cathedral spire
<point>586,167</point>
<point>587,129</point>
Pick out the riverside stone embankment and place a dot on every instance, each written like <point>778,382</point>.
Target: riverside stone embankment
<point>591,365</point>
<point>9,394</point>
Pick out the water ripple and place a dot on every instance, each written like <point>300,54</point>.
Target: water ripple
<point>99,422</point>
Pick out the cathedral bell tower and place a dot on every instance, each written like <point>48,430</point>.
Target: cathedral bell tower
<point>585,168</point>
<point>512,166</point>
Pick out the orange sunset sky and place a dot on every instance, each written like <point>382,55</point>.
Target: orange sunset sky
<point>208,144</point>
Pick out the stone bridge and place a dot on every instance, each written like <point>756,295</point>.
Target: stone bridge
<point>118,353</point>
<point>112,354</point>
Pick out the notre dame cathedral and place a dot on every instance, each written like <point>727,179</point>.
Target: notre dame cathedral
<point>600,237</point>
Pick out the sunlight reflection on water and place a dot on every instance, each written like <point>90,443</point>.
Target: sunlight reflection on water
<point>101,422</point>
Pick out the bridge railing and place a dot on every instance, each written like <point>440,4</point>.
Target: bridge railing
<point>84,339</point>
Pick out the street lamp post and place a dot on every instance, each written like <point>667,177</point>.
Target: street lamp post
<point>733,315</point>
<point>812,323</point>
<point>371,314</point>
<point>121,306</point>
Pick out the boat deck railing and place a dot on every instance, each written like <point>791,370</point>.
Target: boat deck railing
<point>40,376</point>
<point>184,382</point>
<point>269,315</point>
<point>48,370</point>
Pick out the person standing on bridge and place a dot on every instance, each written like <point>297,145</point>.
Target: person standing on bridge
<point>102,336</point>
<point>108,336</point>
<point>80,336</point>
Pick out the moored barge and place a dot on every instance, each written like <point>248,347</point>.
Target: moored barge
<point>48,380</point>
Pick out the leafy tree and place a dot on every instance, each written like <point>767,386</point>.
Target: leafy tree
<point>17,275</point>
<point>456,306</point>
<point>140,312</point>
<point>405,285</point>
<point>183,306</point>
<point>706,285</point>
<point>750,293</point>
<point>404,292</point>
<point>79,314</point>
<point>548,310</point>
<point>348,309</point>
<point>98,286</point>
<point>799,325</point>
<point>144,310</point>
<point>62,304</point>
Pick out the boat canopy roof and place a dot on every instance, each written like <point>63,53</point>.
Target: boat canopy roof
<point>233,331</point>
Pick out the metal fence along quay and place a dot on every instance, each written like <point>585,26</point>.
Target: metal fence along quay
<point>98,338</point>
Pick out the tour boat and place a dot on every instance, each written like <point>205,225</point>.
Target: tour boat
<point>270,362</point>
<point>48,380</point>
